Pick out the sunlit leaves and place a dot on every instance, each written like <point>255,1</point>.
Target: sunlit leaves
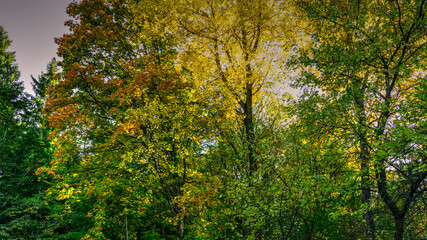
<point>368,57</point>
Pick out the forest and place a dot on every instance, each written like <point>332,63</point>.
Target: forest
<point>173,119</point>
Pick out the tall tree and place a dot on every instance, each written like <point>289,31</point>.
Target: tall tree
<point>23,148</point>
<point>367,61</point>
<point>234,50</point>
<point>13,102</point>
<point>125,125</point>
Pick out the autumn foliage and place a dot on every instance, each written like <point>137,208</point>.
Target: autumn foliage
<point>171,120</point>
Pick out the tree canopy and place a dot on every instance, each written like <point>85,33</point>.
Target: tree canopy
<point>171,120</point>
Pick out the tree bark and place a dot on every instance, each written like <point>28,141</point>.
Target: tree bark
<point>366,191</point>
<point>399,222</point>
<point>180,229</point>
<point>249,129</point>
<point>359,98</point>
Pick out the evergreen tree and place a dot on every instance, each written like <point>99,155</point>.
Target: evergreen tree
<point>24,147</point>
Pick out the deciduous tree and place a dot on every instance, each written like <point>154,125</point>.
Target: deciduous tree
<point>367,66</point>
<point>125,124</point>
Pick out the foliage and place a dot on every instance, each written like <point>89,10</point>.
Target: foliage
<point>126,125</point>
<point>23,148</point>
<point>169,120</point>
<point>370,83</point>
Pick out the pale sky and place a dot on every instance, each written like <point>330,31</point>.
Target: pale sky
<point>32,26</point>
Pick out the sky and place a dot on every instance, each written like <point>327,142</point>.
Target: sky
<point>32,25</point>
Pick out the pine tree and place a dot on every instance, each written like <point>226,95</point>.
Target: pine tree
<point>24,147</point>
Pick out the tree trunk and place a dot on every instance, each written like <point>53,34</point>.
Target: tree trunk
<point>399,222</point>
<point>359,98</point>
<point>249,129</point>
<point>127,232</point>
<point>180,229</point>
<point>366,193</point>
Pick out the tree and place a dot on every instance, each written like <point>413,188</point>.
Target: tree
<point>125,125</point>
<point>234,50</point>
<point>23,148</point>
<point>12,91</point>
<point>370,82</point>
<point>12,106</point>
<point>233,57</point>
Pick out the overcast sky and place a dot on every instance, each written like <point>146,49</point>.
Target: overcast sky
<point>32,26</point>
